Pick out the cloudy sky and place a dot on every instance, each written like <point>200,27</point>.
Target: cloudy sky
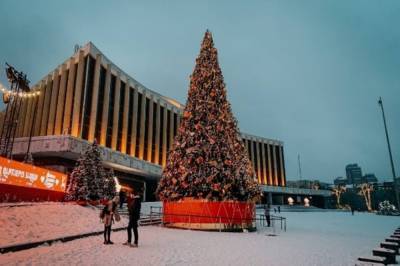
<point>308,73</point>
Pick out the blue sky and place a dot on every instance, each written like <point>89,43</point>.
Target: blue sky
<point>306,72</point>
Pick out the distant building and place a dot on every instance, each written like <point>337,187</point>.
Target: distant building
<point>354,174</point>
<point>370,178</point>
<point>340,181</point>
<point>308,184</point>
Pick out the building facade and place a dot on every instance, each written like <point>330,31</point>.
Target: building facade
<point>353,174</point>
<point>369,178</point>
<point>340,181</point>
<point>89,98</point>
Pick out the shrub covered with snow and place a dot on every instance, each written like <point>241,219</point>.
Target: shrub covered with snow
<point>386,208</point>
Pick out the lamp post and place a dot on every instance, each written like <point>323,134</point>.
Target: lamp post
<point>380,102</point>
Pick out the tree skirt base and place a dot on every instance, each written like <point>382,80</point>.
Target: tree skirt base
<point>213,227</point>
<point>198,214</point>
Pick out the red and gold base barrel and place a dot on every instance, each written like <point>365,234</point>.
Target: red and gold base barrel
<point>199,214</point>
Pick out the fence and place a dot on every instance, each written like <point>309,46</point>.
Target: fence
<point>156,213</point>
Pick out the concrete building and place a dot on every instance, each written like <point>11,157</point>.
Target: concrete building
<point>369,178</point>
<point>88,97</point>
<point>353,174</point>
<point>340,181</point>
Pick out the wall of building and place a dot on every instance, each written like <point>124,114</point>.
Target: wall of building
<point>89,97</point>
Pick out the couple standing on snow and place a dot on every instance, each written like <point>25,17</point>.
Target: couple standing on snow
<point>110,212</point>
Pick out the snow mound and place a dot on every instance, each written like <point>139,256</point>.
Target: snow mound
<point>36,222</point>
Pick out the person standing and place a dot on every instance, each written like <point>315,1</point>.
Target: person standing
<point>267,213</point>
<point>134,206</point>
<point>108,214</point>
<point>279,209</point>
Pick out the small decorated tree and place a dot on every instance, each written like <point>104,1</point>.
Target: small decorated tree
<point>365,191</point>
<point>208,159</point>
<point>338,191</point>
<point>89,179</point>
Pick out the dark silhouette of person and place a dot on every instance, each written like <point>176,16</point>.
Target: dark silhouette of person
<point>134,206</point>
<point>267,213</point>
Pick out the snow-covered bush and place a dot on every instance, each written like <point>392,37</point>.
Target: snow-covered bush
<point>386,208</point>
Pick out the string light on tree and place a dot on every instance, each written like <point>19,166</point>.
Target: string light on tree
<point>208,159</point>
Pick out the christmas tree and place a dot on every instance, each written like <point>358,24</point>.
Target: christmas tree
<point>109,185</point>
<point>89,180</point>
<point>208,159</point>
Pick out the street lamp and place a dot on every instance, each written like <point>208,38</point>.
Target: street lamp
<point>390,153</point>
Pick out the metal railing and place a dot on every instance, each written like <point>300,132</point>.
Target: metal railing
<point>156,212</point>
<point>280,219</point>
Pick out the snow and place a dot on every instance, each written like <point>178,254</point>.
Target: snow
<point>312,238</point>
<point>43,221</point>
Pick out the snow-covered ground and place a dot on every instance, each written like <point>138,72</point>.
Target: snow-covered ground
<point>44,221</point>
<point>316,238</point>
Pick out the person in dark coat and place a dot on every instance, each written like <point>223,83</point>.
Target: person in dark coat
<point>267,213</point>
<point>134,205</point>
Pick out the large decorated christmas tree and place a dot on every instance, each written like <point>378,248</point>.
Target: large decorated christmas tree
<point>208,159</point>
<point>89,180</point>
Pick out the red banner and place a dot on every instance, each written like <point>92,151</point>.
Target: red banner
<point>191,210</point>
<point>27,175</point>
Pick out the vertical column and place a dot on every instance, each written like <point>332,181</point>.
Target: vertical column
<point>61,100</point>
<point>157,144</point>
<point>104,117</point>
<point>275,165</point>
<point>150,131</point>
<point>270,198</point>
<point>36,130</point>
<point>53,102</point>
<point>95,96</point>
<point>264,164</point>
<point>46,106</point>
<point>124,134</point>
<point>21,120</point>
<point>178,121</point>
<point>28,117</point>
<point>142,125</point>
<point>116,111</point>
<point>69,97</point>
<point>76,111</point>
<point>134,121</point>
<point>269,166</point>
<point>281,166</point>
<point>252,151</point>
<point>171,129</point>
<point>164,136</point>
<point>259,167</point>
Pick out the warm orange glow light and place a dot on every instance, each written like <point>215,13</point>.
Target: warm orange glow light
<point>26,175</point>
